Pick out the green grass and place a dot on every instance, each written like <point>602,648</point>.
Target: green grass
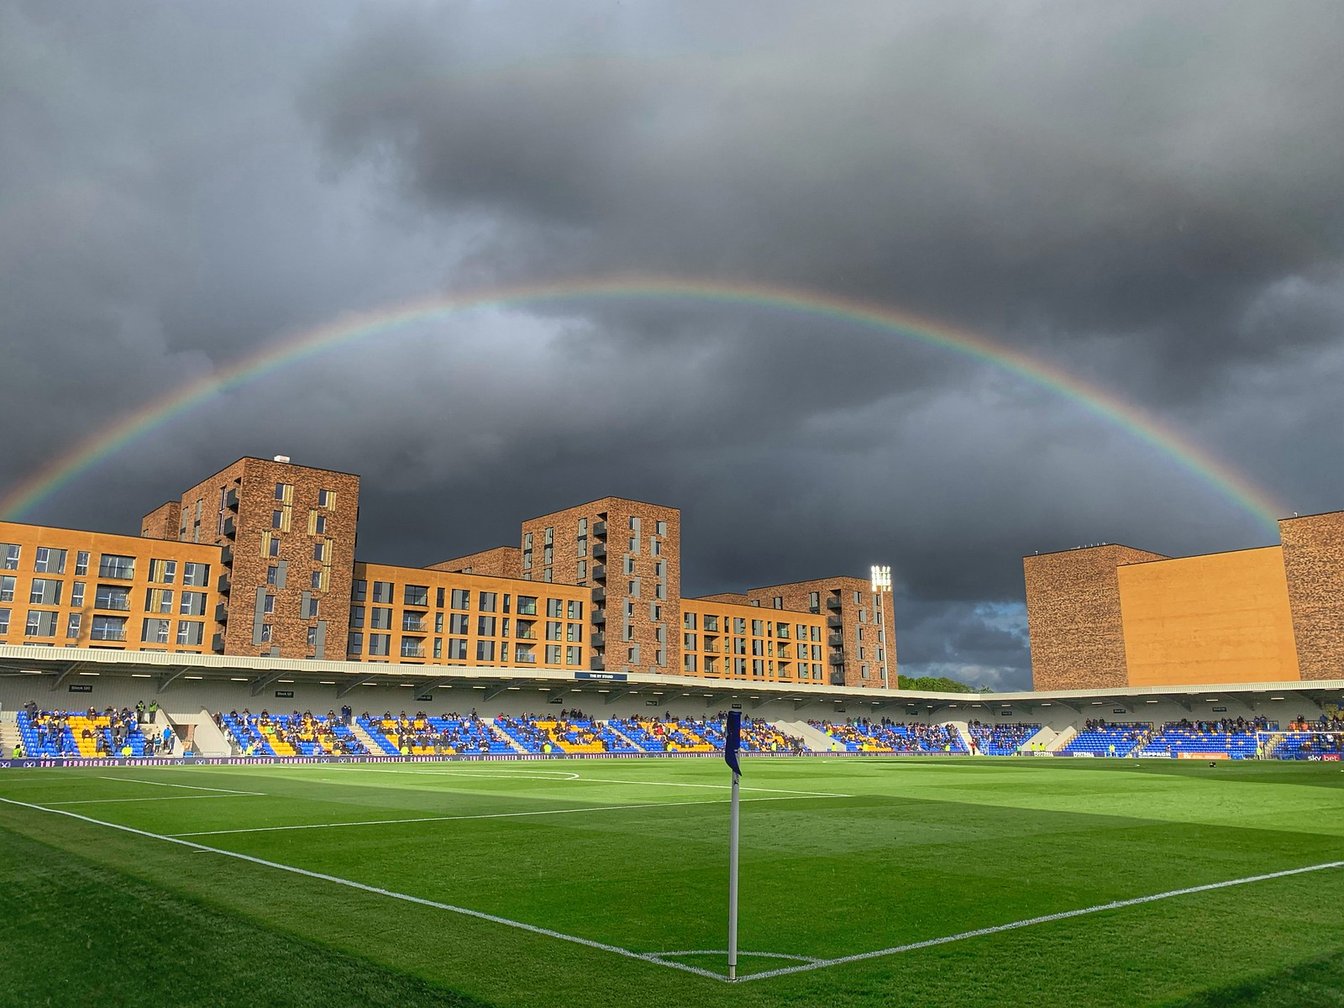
<point>875,854</point>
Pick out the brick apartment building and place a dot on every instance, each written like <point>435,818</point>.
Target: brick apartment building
<point>259,559</point>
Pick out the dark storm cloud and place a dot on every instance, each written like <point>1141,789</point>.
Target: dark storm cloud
<point>1145,195</point>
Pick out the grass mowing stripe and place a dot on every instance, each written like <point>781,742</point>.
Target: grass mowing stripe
<point>192,787</point>
<point>176,797</point>
<point>481,815</point>
<point>377,891</point>
<point>1044,919</point>
<point>596,780</point>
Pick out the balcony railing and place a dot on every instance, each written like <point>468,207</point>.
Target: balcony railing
<point>599,595</point>
<point>226,556</point>
<point>836,640</point>
<point>599,529</point>
<point>833,603</point>
<point>599,551</point>
<point>225,584</point>
<point>103,602</point>
<point>834,622</point>
<point>221,613</point>
<point>412,626</point>
<point>598,640</point>
<point>108,633</point>
<point>230,528</point>
<point>416,651</point>
<point>599,572</point>
<point>599,617</point>
<point>231,500</point>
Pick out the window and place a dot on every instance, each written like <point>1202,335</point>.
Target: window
<point>524,654</point>
<point>457,623</point>
<point>110,565</point>
<point>315,580</point>
<point>155,631</point>
<point>76,594</point>
<point>195,575</point>
<point>688,663</point>
<point>485,650</point>
<point>527,559</point>
<point>158,600</point>
<point>572,655</point>
<point>662,528</point>
<point>380,644</point>
<point>487,602</point>
<point>814,602</point>
<point>461,598</point>
<point>438,648</point>
<point>283,491</point>
<point>573,631</point>
<point>277,518</point>
<point>711,623</point>
<point>107,628</point>
<point>320,551</point>
<point>356,616</point>
<point>554,628</point>
<point>4,621</point>
<point>9,556</point>
<point>688,621</point>
<point>527,605</point>
<point>310,638</point>
<point>778,601</point>
<point>380,618</point>
<point>552,654</point>
<point>354,642</point>
<point>81,563</point>
<point>72,626</point>
<point>7,588</point>
<point>574,609</point>
<point>416,595</point>
<point>326,499</point>
<point>632,653</point>
<point>190,632</point>
<point>457,649</point>
<point>163,571</point>
<point>555,608</point>
<point>270,545</point>
<point>656,548</point>
<point>49,561</point>
<point>582,572</point>
<point>688,641</point>
<point>382,592</point>
<point>438,622</point>
<point>485,626</point>
<point>550,535</point>
<point>112,597</point>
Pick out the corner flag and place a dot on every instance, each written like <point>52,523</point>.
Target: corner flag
<point>732,741</point>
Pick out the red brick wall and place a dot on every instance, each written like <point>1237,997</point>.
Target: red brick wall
<point>502,561</point>
<point>162,522</point>
<point>1073,617</point>
<point>619,600</point>
<point>1313,560</point>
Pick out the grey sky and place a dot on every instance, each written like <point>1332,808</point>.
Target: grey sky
<point>1145,195</point>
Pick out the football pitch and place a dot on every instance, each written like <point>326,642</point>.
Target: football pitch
<point>603,883</point>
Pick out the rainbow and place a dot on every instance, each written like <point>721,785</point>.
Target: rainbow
<point>22,498</point>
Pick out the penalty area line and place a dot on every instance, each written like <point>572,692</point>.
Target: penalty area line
<point>1043,919</point>
<point>378,891</point>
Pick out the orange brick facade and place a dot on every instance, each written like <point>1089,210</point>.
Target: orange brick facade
<point>1112,616</point>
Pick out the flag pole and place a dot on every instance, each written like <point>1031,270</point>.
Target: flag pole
<point>732,883</point>
<point>732,744</point>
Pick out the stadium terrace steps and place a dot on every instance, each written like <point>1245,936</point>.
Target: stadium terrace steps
<point>813,738</point>
<point>611,727</point>
<point>207,738</point>
<point>1062,739</point>
<point>1117,739</point>
<point>360,732</point>
<point>509,740</point>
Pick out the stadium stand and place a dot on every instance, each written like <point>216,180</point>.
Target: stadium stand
<point>1235,739</point>
<point>1101,738</point>
<point>1001,739</point>
<point>891,737</point>
<point>423,735</point>
<point>88,734</point>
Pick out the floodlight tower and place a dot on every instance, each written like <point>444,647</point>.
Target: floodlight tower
<point>881,584</point>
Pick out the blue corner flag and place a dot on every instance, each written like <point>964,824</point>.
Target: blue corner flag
<point>732,741</point>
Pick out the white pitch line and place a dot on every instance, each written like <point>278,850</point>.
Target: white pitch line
<point>158,783</point>
<point>1044,919</point>
<point>176,797</point>
<point>483,815</point>
<point>375,890</point>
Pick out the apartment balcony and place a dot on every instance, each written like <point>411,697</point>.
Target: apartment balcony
<point>599,617</point>
<point>413,626</point>
<point>225,584</point>
<point>596,663</point>
<point>837,678</point>
<point>412,650</point>
<point>525,634</point>
<point>836,640</point>
<point>226,556</point>
<point>598,639</point>
<point>116,604</point>
<point>834,622</point>
<point>833,603</point>
<point>217,643</point>
<point>838,658</point>
<point>599,596</point>
<point>600,529</point>
<point>221,613</point>
<point>599,551</point>
<point>599,572</point>
<point>230,528</point>
<point>108,633</point>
